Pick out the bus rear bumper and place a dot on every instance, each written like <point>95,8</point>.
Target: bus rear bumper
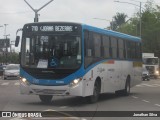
<point>64,90</point>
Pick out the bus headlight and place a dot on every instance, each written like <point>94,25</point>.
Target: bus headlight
<point>24,81</point>
<point>75,82</point>
<point>157,72</point>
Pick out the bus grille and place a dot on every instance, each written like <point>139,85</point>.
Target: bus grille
<point>49,91</point>
<point>47,74</point>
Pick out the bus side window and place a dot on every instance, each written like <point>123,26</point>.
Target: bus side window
<point>97,45</point>
<point>105,46</point>
<point>114,47</point>
<point>128,48</point>
<point>121,48</point>
<point>133,50</point>
<point>88,48</point>
<point>138,51</point>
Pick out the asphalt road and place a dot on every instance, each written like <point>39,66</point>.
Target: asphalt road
<point>144,97</point>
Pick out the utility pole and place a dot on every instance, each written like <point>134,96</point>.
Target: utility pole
<point>37,10</point>
<point>1,26</point>
<point>5,42</point>
<point>12,43</point>
<point>140,11</point>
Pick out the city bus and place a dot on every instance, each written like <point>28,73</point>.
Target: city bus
<point>73,59</point>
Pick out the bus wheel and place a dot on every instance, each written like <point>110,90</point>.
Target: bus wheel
<point>45,98</point>
<point>96,92</point>
<point>126,91</point>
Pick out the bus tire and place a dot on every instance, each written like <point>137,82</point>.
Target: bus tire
<point>45,98</point>
<point>96,91</point>
<point>126,91</point>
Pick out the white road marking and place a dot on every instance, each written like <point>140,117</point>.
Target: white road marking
<point>17,83</point>
<point>135,97</point>
<point>140,85</point>
<point>157,85</point>
<point>148,85</point>
<point>6,83</point>
<point>146,101</point>
<point>157,105</point>
<point>63,107</point>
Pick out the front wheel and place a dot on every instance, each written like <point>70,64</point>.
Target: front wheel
<point>45,98</point>
<point>96,91</point>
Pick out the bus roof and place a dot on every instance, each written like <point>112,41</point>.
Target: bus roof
<point>96,29</point>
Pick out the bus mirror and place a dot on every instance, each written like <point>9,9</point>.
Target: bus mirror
<point>17,41</point>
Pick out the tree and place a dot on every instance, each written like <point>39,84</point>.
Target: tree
<point>150,27</point>
<point>9,57</point>
<point>119,19</point>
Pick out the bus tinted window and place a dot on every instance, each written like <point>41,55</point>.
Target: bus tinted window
<point>105,46</point>
<point>138,51</point>
<point>114,47</point>
<point>97,45</point>
<point>53,51</point>
<point>121,48</point>
<point>88,48</point>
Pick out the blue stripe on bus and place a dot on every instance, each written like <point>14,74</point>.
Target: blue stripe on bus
<point>50,82</point>
<point>65,81</point>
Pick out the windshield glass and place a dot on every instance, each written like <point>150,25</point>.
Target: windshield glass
<point>52,51</point>
<point>150,61</point>
<point>12,67</point>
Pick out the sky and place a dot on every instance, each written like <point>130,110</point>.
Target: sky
<point>16,13</point>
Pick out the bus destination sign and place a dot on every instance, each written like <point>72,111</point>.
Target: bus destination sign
<point>51,28</point>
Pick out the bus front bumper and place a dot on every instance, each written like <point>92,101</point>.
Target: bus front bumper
<point>64,90</point>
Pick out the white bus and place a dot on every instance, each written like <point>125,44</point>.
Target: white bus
<point>72,59</point>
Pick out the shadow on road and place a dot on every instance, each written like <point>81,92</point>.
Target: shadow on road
<point>77,101</point>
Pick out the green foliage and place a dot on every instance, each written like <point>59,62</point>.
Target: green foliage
<point>9,58</point>
<point>119,19</point>
<point>150,18</point>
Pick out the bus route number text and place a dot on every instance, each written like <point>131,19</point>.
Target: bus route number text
<point>52,28</point>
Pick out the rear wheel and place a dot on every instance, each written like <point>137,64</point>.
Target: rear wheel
<point>96,92</point>
<point>45,98</point>
<point>126,91</point>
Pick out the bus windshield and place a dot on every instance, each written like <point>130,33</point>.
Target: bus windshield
<point>150,61</point>
<point>51,51</point>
